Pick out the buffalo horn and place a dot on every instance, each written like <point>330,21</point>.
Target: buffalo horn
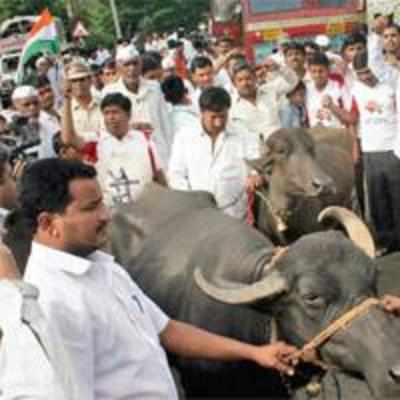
<point>355,227</point>
<point>269,287</point>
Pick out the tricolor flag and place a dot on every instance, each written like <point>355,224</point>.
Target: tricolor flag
<point>42,39</point>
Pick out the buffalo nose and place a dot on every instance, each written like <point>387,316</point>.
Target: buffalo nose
<point>395,373</point>
<point>325,185</point>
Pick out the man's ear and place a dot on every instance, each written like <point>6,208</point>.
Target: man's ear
<point>47,223</point>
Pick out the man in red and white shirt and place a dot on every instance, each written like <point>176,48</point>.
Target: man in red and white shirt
<point>376,105</point>
<point>325,96</point>
<point>126,160</point>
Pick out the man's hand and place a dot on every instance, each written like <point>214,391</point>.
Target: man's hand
<point>253,182</point>
<point>142,126</point>
<point>391,304</point>
<point>275,356</point>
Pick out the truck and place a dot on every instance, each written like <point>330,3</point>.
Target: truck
<point>259,24</point>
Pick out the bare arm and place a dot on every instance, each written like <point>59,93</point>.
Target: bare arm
<point>68,133</point>
<point>192,342</point>
<point>8,266</point>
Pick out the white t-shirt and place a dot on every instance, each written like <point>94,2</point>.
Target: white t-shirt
<point>109,327</point>
<point>319,115</point>
<point>125,166</point>
<point>378,116</point>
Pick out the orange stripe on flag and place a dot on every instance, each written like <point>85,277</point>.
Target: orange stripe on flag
<point>45,19</point>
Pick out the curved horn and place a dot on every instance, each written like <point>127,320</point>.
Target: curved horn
<point>355,227</point>
<point>271,286</point>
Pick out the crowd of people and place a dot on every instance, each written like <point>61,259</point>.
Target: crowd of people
<point>83,135</point>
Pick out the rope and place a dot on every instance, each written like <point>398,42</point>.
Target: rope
<point>340,324</point>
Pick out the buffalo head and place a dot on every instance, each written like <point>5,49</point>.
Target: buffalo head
<point>314,282</point>
<point>224,10</point>
<point>288,162</point>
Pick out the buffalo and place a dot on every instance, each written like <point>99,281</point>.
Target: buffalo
<point>217,273</point>
<point>304,173</point>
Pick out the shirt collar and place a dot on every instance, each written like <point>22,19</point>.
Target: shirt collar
<point>77,106</point>
<point>66,262</point>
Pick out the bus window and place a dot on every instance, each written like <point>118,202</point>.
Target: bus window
<point>333,3</point>
<point>265,6</point>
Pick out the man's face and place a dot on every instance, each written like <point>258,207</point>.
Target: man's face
<point>391,40</point>
<point>46,97</point>
<point>29,107</point>
<point>80,87</point>
<point>352,50</point>
<point>154,75</point>
<point>8,189</point>
<point>203,77</point>
<point>295,59</point>
<point>245,83</point>
<point>116,120</point>
<point>109,75</point>
<point>224,47</point>
<point>214,122</point>
<point>319,74</point>
<point>366,76</point>
<point>131,70</point>
<point>43,68</point>
<point>310,51</point>
<point>82,227</point>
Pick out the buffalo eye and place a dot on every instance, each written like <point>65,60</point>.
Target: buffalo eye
<point>313,300</point>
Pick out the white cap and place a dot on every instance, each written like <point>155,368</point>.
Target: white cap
<point>126,53</point>
<point>23,92</point>
<point>41,60</point>
<point>322,41</point>
<point>168,62</point>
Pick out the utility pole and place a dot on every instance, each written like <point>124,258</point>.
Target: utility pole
<point>116,19</point>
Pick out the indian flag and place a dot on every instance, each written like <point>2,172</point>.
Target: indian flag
<point>42,39</point>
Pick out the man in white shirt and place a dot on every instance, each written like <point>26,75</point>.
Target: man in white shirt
<point>324,96</point>
<point>212,158</point>
<point>113,333</point>
<point>86,112</point>
<point>183,116</point>
<point>126,159</point>
<point>378,130</point>
<point>41,128</point>
<point>149,110</point>
<point>255,110</point>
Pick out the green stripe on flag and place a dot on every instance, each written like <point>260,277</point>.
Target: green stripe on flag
<point>40,47</point>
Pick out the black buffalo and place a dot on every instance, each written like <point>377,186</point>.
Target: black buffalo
<point>303,176</point>
<point>167,236</point>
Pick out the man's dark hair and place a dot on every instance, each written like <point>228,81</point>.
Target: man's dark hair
<point>294,46</point>
<point>200,62</point>
<point>109,63</point>
<point>311,44</point>
<point>300,86</point>
<point>44,186</point>
<point>42,81</point>
<point>241,66</point>
<point>215,99</point>
<point>151,61</point>
<point>174,89</point>
<point>319,58</point>
<point>360,61</point>
<point>116,99</point>
<point>225,39</point>
<point>393,26</point>
<point>353,39</point>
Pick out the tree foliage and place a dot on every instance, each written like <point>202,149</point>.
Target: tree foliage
<point>135,15</point>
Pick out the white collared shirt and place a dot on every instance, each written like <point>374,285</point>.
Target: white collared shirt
<point>33,362</point>
<point>196,165</point>
<point>109,327</point>
<point>88,122</point>
<point>48,127</point>
<point>262,118</point>
<point>318,114</point>
<point>149,106</point>
<point>184,118</point>
<point>125,166</point>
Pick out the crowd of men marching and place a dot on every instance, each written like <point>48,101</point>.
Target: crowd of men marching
<point>185,114</point>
